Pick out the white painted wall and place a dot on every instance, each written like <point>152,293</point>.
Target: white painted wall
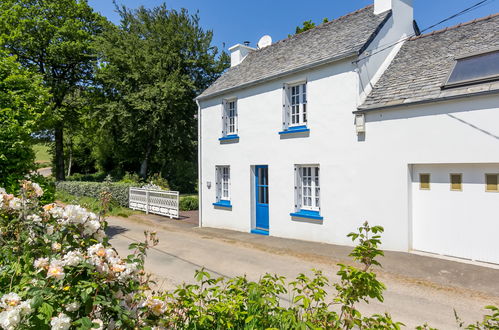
<point>362,178</point>
<point>461,223</point>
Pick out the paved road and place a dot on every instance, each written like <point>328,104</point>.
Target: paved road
<point>183,249</point>
<point>46,171</point>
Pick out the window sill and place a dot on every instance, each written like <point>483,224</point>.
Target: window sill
<point>314,215</point>
<point>295,129</point>
<point>229,138</point>
<point>224,204</point>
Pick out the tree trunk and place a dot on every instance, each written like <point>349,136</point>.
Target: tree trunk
<point>145,163</point>
<point>59,153</point>
<point>70,160</point>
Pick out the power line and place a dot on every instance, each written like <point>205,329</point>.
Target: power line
<point>462,12</point>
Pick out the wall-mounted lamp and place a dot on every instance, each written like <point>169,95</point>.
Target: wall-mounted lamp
<point>360,123</point>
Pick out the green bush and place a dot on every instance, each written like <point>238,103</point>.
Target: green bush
<point>48,186</point>
<point>189,203</point>
<point>157,180</point>
<point>118,190</point>
<point>93,177</point>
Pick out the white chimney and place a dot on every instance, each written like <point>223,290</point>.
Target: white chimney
<point>401,9</point>
<point>402,14</point>
<point>238,53</point>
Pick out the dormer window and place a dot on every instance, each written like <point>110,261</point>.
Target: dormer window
<point>474,69</point>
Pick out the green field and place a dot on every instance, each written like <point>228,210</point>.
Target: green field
<point>42,153</point>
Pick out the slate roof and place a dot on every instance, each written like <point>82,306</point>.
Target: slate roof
<point>340,38</point>
<point>424,62</point>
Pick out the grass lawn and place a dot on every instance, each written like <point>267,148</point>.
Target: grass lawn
<point>42,154</point>
<point>93,204</point>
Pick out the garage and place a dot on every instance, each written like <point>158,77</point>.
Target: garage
<point>455,210</point>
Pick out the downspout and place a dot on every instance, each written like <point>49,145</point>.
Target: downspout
<point>200,170</point>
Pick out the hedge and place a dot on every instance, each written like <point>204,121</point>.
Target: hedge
<point>118,190</point>
<point>189,203</point>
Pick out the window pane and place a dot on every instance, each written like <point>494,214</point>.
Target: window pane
<point>475,68</point>
<point>456,181</point>
<point>424,181</point>
<point>491,182</point>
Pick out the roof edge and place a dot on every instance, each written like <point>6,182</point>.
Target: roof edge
<point>431,100</point>
<point>476,20</point>
<point>279,75</point>
<point>376,32</point>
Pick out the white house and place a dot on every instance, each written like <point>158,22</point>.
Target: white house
<point>356,120</point>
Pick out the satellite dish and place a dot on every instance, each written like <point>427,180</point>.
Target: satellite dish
<point>264,41</point>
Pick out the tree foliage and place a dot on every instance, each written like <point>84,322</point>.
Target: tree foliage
<point>22,103</point>
<point>55,39</point>
<point>307,25</point>
<point>152,67</point>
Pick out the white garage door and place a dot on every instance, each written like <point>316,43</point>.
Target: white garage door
<point>455,210</point>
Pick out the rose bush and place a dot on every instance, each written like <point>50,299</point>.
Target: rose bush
<point>58,269</point>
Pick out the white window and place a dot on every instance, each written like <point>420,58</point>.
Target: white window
<point>223,183</point>
<point>295,105</point>
<point>307,188</point>
<point>229,117</point>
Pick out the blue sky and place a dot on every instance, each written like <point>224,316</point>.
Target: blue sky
<point>235,21</point>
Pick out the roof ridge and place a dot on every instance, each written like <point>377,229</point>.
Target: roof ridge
<point>476,20</point>
<point>295,36</point>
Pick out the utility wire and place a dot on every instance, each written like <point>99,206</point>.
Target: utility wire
<point>464,11</point>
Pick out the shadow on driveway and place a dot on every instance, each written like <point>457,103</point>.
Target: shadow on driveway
<point>112,231</point>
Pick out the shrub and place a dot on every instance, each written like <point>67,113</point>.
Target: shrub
<point>131,178</point>
<point>157,180</point>
<point>93,177</point>
<point>189,203</point>
<point>48,186</point>
<point>119,191</point>
<point>59,270</point>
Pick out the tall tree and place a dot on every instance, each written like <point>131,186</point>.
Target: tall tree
<point>55,39</point>
<point>152,67</point>
<point>23,100</point>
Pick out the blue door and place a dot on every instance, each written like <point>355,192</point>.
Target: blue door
<point>262,199</point>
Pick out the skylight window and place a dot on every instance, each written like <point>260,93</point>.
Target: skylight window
<point>474,69</point>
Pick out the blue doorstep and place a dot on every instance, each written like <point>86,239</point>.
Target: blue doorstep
<point>307,214</point>
<point>223,203</point>
<point>229,137</point>
<point>295,129</point>
<point>260,232</point>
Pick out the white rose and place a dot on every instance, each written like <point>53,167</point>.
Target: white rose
<point>55,270</point>
<point>49,230</point>
<point>72,258</point>
<point>91,227</point>
<point>60,322</point>
<point>73,307</point>
<point>10,300</point>
<point>38,190</point>
<point>15,203</point>
<point>56,246</point>
<point>9,319</point>
<point>41,263</point>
